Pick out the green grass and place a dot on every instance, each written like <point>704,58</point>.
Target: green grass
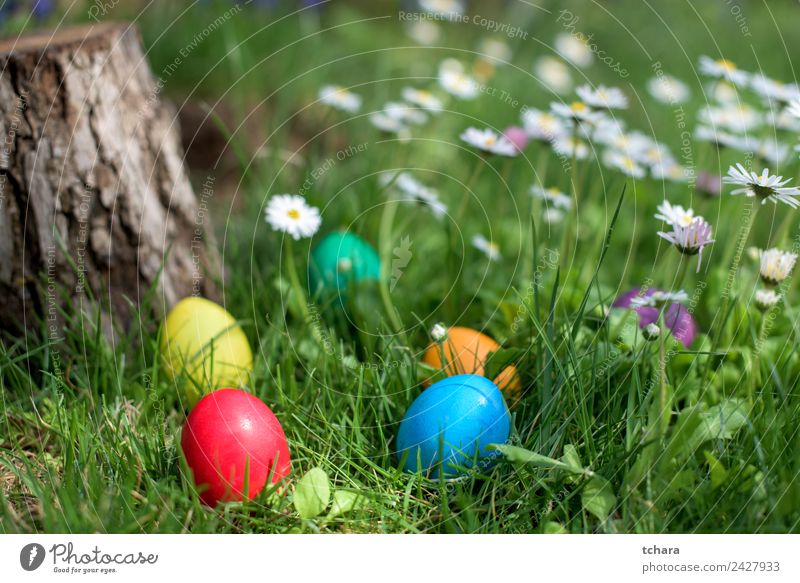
<point>90,432</point>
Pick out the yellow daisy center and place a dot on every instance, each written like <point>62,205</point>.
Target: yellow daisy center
<point>578,106</point>
<point>293,214</point>
<point>727,65</point>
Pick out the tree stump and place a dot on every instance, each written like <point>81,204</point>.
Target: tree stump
<point>95,207</point>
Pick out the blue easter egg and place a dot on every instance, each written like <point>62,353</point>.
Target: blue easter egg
<point>451,424</point>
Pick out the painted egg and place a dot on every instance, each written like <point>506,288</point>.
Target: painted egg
<point>203,348</point>
<point>231,434</point>
<point>451,424</point>
<point>677,318</point>
<point>340,259</point>
<point>466,351</point>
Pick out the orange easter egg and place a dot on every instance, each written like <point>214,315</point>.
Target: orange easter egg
<point>465,352</point>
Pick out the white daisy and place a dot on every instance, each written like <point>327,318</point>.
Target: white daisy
<point>690,239</point>
<point>289,213</point>
<point>388,124</point>
<point>552,195</point>
<point>489,248</point>
<point>785,119</point>
<point>772,151</point>
<point>776,265</point>
<point>552,216</point>
<point>670,170</point>
<point>722,92</point>
<point>723,138</point>
<point>489,141</point>
<point>653,154</point>
<point>624,163</point>
<point>497,51</point>
<point>577,110</point>
<point>424,32</point>
<point>458,83</point>
<point>722,69</point>
<point>668,89</point>
<point>766,186</point>
<point>675,214</point>
<point>771,90</point>
<point>659,298</point>
<point>413,190</point>
<point>542,125</point>
<point>794,108</point>
<point>554,74</point>
<point>424,99</point>
<point>766,299</point>
<point>438,332</point>
<point>569,146</point>
<point>738,118</point>
<point>573,49</point>
<point>448,9</point>
<point>340,98</point>
<point>651,332</point>
<point>603,97</point>
<point>404,113</point>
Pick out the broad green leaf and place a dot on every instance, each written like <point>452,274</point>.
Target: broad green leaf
<point>571,458</point>
<point>520,455</point>
<point>598,497</point>
<point>698,424</point>
<point>553,528</point>
<point>343,501</point>
<point>312,494</point>
<point>719,474</point>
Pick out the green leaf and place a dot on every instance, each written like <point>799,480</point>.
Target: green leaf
<point>312,494</point>
<point>571,458</point>
<point>344,501</point>
<point>553,528</point>
<point>719,475</point>
<point>520,455</point>
<point>698,424</point>
<point>598,497</point>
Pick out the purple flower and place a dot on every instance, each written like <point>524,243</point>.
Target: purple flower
<point>678,319</point>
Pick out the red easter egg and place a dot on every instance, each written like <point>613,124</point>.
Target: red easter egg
<point>227,433</point>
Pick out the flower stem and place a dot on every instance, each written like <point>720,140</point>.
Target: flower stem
<point>664,407</point>
<point>387,220</point>
<point>726,294</point>
<point>294,279</point>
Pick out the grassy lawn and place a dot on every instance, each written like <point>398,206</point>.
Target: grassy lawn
<point>614,433</point>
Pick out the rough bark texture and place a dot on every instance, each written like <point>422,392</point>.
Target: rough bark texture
<point>93,192</point>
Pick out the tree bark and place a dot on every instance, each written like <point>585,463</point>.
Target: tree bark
<point>95,207</point>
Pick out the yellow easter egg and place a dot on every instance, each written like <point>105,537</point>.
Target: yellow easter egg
<point>203,348</point>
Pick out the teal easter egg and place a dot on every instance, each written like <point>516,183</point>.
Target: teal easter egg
<point>339,260</point>
<point>450,426</point>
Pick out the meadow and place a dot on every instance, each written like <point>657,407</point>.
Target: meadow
<point>519,169</point>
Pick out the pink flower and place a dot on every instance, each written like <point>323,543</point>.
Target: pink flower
<point>690,239</point>
<point>517,136</point>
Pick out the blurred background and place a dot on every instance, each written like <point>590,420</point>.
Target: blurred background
<point>256,64</point>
